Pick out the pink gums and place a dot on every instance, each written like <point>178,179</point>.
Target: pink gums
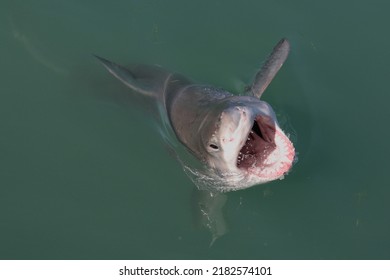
<point>279,161</point>
<point>268,160</point>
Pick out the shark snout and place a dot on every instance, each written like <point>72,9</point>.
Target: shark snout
<point>234,122</point>
<point>234,116</point>
<point>233,126</point>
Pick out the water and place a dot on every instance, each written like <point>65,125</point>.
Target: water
<point>85,174</point>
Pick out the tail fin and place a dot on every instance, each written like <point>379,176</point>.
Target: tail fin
<point>126,76</point>
<point>270,68</point>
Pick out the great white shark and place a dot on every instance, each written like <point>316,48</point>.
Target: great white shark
<point>236,138</point>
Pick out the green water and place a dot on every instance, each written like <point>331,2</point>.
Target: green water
<point>84,174</point>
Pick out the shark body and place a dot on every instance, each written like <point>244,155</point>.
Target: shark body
<point>236,138</point>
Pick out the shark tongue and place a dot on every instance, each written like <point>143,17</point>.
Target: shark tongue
<point>267,151</point>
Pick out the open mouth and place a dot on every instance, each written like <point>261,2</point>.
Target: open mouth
<point>267,151</point>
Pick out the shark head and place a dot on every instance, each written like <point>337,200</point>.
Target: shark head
<point>245,141</point>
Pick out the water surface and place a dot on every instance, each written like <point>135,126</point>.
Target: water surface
<point>85,174</point>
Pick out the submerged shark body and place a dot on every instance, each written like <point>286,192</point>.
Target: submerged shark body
<point>236,138</point>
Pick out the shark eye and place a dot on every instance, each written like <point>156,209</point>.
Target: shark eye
<point>214,147</point>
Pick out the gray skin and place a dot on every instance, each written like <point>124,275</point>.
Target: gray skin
<point>237,138</point>
<point>234,137</point>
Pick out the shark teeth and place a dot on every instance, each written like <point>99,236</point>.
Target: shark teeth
<point>266,159</point>
<point>279,161</point>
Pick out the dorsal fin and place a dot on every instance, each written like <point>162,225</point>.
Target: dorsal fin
<point>269,69</point>
<point>127,77</point>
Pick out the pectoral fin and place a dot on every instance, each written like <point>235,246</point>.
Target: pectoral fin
<point>270,68</point>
